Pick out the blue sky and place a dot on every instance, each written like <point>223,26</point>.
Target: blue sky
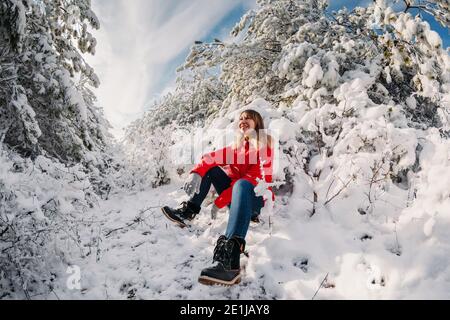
<point>141,43</point>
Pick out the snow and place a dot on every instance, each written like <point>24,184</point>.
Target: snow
<point>433,38</point>
<point>411,102</point>
<point>430,88</point>
<point>406,25</point>
<point>428,227</point>
<point>26,114</point>
<point>312,73</point>
<point>142,255</point>
<point>284,128</point>
<point>21,16</point>
<point>368,213</point>
<point>295,58</point>
<point>331,75</point>
<point>74,96</point>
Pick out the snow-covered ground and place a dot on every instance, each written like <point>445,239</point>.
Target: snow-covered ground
<point>155,259</point>
<point>142,255</point>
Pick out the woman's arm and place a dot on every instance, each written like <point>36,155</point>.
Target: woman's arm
<point>263,168</point>
<point>210,160</point>
<point>225,197</point>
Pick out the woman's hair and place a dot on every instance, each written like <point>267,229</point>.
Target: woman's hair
<point>262,138</point>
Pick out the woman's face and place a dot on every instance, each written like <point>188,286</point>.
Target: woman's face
<point>246,123</point>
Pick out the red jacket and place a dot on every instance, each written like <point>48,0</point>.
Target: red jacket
<point>239,163</point>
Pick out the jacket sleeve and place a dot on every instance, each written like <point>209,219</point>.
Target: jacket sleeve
<point>225,197</point>
<point>262,169</point>
<point>216,158</point>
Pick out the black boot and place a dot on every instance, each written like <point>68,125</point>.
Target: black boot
<point>187,211</point>
<point>227,271</point>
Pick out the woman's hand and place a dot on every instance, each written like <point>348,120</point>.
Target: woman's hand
<point>192,185</point>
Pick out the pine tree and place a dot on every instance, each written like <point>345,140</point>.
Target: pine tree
<point>55,153</point>
<point>47,104</point>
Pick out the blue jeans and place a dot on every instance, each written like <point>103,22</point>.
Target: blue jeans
<point>244,204</point>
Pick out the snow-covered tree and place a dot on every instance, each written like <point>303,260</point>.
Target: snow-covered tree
<point>56,156</point>
<point>196,97</point>
<point>47,104</point>
<point>43,213</point>
<point>147,159</point>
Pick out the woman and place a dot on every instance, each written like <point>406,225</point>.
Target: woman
<point>234,171</point>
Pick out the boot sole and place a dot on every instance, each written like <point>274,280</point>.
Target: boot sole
<point>180,224</point>
<point>212,281</point>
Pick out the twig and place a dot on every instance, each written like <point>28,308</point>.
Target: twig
<point>314,204</point>
<point>373,178</point>
<point>126,226</point>
<point>337,193</point>
<point>55,294</point>
<point>4,230</point>
<point>323,281</point>
<point>329,187</point>
<point>8,79</point>
<point>396,239</point>
<point>270,226</point>
<point>106,289</point>
<point>146,209</point>
<point>136,220</point>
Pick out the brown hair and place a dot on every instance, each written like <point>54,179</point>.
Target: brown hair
<point>262,138</point>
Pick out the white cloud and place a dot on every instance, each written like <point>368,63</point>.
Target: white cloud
<point>136,42</point>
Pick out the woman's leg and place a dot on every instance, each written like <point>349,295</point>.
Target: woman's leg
<point>242,207</point>
<point>215,176</point>
<point>189,209</point>
<point>229,247</point>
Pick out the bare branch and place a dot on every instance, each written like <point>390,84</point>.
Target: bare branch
<point>329,187</point>
<point>321,284</point>
<point>340,190</point>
